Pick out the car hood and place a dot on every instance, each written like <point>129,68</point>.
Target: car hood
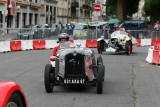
<point>64,51</point>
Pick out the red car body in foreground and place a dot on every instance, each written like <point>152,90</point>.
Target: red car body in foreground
<point>11,94</point>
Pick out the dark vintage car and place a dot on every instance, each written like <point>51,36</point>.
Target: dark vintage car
<point>74,66</point>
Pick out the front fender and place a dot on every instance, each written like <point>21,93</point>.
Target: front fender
<point>99,39</point>
<point>6,90</point>
<point>52,63</point>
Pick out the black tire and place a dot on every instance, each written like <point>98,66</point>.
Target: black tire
<point>48,78</point>
<point>131,47</point>
<point>99,47</point>
<point>15,100</point>
<point>99,60</point>
<point>100,79</point>
<point>128,47</point>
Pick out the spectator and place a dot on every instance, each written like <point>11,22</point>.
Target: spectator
<point>106,31</point>
<point>128,33</point>
<point>71,27</point>
<point>157,27</point>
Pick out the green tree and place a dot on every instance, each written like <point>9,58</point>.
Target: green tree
<point>111,7</point>
<point>122,7</point>
<point>151,8</point>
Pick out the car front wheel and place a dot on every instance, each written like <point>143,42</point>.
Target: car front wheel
<point>99,47</point>
<point>15,100</point>
<point>128,47</point>
<point>48,78</point>
<point>100,79</point>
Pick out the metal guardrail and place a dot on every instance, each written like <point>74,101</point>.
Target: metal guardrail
<point>29,34</point>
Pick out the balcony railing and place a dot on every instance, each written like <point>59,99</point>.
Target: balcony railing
<point>3,1</point>
<point>51,1</point>
<point>75,4</point>
<point>35,5</point>
<point>23,3</point>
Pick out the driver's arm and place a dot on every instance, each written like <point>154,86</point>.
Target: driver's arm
<point>55,50</point>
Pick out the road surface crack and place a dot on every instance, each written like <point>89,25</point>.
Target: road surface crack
<point>134,94</point>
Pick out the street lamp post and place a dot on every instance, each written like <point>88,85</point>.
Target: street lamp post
<point>9,16</point>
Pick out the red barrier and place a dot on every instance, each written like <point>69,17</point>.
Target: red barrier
<point>91,43</point>
<point>36,44</point>
<point>42,44</point>
<point>158,61</point>
<point>139,42</point>
<point>39,44</point>
<point>156,47</point>
<point>15,45</point>
<point>94,45</point>
<point>155,56</point>
<point>88,44</point>
<point>155,42</point>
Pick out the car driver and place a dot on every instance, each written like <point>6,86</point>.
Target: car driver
<point>62,38</point>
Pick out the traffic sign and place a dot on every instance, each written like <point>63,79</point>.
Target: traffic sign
<point>97,8</point>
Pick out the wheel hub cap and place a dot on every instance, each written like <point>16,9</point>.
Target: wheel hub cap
<point>11,104</point>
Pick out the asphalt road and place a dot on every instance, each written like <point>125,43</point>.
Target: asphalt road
<point>129,81</point>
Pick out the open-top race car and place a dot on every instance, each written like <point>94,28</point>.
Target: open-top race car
<point>120,41</point>
<point>74,66</point>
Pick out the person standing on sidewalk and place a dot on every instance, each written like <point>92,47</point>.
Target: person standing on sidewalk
<point>157,27</point>
<point>71,27</point>
<point>106,31</point>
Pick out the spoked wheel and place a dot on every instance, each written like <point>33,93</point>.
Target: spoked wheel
<point>15,100</point>
<point>48,78</point>
<point>99,47</point>
<point>100,79</point>
<point>128,47</point>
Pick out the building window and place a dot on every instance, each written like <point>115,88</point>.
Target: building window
<point>36,18</point>
<point>51,15</point>
<point>35,1</point>
<point>47,11</point>
<point>17,20</point>
<point>30,18</point>
<point>1,17</point>
<point>24,18</point>
<point>30,0</point>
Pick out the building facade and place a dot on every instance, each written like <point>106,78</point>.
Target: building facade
<point>48,12</point>
<point>31,12</point>
<point>74,10</point>
<point>27,14</point>
<point>63,11</point>
<point>3,5</point>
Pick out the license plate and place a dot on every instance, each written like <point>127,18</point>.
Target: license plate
<point>74,81</point>
<point>110,49</point>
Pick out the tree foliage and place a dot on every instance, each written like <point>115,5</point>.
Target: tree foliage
<point>151,8</point>
<point>111,7</point>
<point>129,7</point>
